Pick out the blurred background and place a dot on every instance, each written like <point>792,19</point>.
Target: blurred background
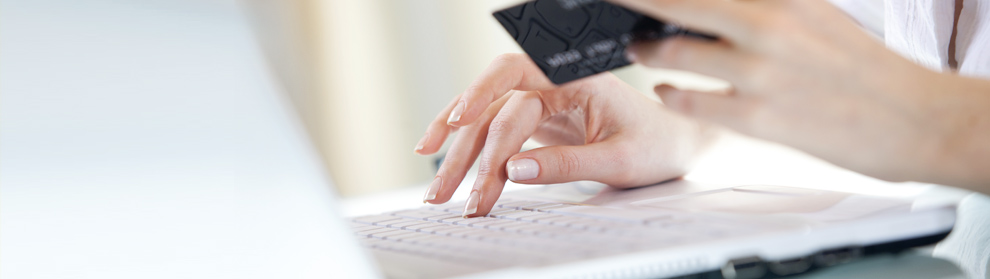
<point>368,76</point>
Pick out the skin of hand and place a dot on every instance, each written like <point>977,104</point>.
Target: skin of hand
<point>805,75</point>
<point>597,128</point>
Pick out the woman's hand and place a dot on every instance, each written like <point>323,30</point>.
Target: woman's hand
<point>805,75</point>
<point>597,128</point>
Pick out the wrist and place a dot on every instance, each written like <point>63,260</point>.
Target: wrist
<point>960,134</point>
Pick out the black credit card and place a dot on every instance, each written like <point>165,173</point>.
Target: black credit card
<point>572,39</point>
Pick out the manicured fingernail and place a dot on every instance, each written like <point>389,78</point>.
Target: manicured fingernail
<point>523,169</point>
<point>471,206</point>
<point>422,143</point>
<point>630,55</point>
<point>455,115</point>
<point>431,193</point>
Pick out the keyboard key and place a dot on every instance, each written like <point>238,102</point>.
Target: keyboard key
<point>498,211</point>
<point>389,233</point>
<point>450,220</point>
<point>588,225</point>
<point>500,214</point>
<point>448,230</point>
<point>444,216</point>
<point>418,227</point>
<point>526,217</point>
<point>368,233</point>
<point>610,214</point>
<point>554,207</point>
<point>535,207</point>
<point>470,233</point>
<point>432,229</point>
<point>429,241</point>
<point>515,228</point>
<point>534,229</point>
<point>536,217</point>
<point>551,220</point>
<point>417,214</point>
<point>518,204</point>
<point>497,224</point>
<point>374,219</point>
<point>514,215</point>
<point>413,237</point>
<point>399,225</point>
<point>472,221</point>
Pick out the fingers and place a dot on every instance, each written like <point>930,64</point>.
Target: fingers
<point>436,132</point>
<point>600,162</point>
<point>518,120</point>
<point>682,53</point>
<point>719,17</point>
<point>506,72</point>
<point>462,154</point>
<point>732,111</point>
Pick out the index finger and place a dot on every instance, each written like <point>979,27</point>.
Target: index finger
<point>515,123</point>
<point>719,17</point>
<point>507,72</point>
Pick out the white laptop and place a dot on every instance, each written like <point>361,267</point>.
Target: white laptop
<point>677,229</point>
<point>111,171</point>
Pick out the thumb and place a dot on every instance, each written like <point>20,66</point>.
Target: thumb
<point>559,164</point>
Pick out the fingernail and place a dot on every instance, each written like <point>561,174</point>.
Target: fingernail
<point>471,206</point>
<point>523,169</point>
<point>631,56</point>
<point>455,115</point>
<point>422,143</point>
<point>431,193</point>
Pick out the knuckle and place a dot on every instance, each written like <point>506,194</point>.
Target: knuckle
<point>485,168</point>
<point>499,126</point>
<point>568,163</point>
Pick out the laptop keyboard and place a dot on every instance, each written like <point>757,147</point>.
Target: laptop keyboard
<point>528,232</point>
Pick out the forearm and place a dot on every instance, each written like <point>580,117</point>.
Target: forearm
<point>963,134</point>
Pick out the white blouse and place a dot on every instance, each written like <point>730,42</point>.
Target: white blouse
<point>921,30</point>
